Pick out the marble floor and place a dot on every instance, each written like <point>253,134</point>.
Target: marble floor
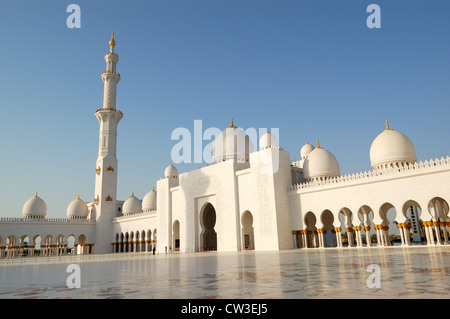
<point>410,272</point>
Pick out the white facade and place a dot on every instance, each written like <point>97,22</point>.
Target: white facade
<point>248,199</point>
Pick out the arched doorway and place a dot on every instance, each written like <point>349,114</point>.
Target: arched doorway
<point>311,230</point>
<point>327,219</point>
<point>208,234</point>
<point>176,235</point>
<point>247,231</point>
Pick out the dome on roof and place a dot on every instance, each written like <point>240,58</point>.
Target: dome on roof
<point>305,150</point>
<point>320,164</point>
<point>131,206</point>
<point>268,140</point>
<point>149,201</point>
<point>232,144</point>
<point>77,209</point>
<point>34,208</point>
<point>391,149</point>
<point>171,171</point>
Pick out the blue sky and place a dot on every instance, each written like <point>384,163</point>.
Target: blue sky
<point>313,69</point>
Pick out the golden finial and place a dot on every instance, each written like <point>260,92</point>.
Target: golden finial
<point>231,125</point>
<point>78,196</point>
<point>387,125</point>
<point>132,194</point>
<point>307,142</point>
<point>153,189</point>
<point>35,195</point>
<point>112,42</point>
<point>318,145</point>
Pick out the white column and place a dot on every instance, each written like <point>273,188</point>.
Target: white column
<point>437,232</point>
<point>428,232</point>
<point>368,239</point>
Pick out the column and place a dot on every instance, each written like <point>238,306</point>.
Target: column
<point>386,235</point>
<point>358,236</point>
<point>437,232</point>
<point>407,234</point>
<point>428,234</point>
<point>378,230</point>
<point>368,239</point>
<point>304,234</point>
<point>402,235</point>
<point>442,226</point>
<point>321,237</point>
<point>294,237</point>
<point>350,236</point>
<point>338,236</point>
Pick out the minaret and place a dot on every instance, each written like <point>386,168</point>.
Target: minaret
<point>106,166</point>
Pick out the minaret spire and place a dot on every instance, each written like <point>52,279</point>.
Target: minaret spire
<point>112,43</point>
<point>106,166</point>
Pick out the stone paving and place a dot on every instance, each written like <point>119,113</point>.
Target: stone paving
<point>409,272</point>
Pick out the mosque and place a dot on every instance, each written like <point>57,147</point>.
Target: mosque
<point>245,200</point>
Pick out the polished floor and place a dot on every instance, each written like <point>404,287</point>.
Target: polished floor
<point>410,272</point>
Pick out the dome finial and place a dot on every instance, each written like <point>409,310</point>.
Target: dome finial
<point>78,196</point>
<point>112,43</point>
<point>132,194</point>
<point>36,195</point>
<point>318,145</point>
<point>387,125</point>
<point>231,124</point>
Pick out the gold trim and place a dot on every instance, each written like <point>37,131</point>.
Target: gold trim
<point>112,42</point>
<point>231,124</point>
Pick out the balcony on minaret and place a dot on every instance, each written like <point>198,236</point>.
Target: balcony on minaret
<point>109,109</point>
<point>111,72</point>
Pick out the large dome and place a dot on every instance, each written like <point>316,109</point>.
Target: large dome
<point>391,149</point>
<point>132,206</point>
<point>232,144</point>
<point>34,208</point>
<point>320,164</point>
<point>149,201</point>
<point>77,209</point>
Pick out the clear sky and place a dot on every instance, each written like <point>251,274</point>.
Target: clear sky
<point>311,68</point>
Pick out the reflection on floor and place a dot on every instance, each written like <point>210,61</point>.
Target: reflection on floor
<point>410,272</point>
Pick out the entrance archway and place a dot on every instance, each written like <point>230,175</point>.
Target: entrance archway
<point>208,221</point>
<point>176,235</point>
<point>247,231</point>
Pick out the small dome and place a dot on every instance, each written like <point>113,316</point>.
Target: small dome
<point>268,140</point>
<point>34,208</point>
<point>391,148</point>
<point>77,209</point>
<point>320,164</point>
<point>171,171</point>
<point>232,144</point>
<point>305,150</point>
<point>149,201</point>
<point>131,206</point>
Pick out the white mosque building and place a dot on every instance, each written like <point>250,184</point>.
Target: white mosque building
<point>245,200</point>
